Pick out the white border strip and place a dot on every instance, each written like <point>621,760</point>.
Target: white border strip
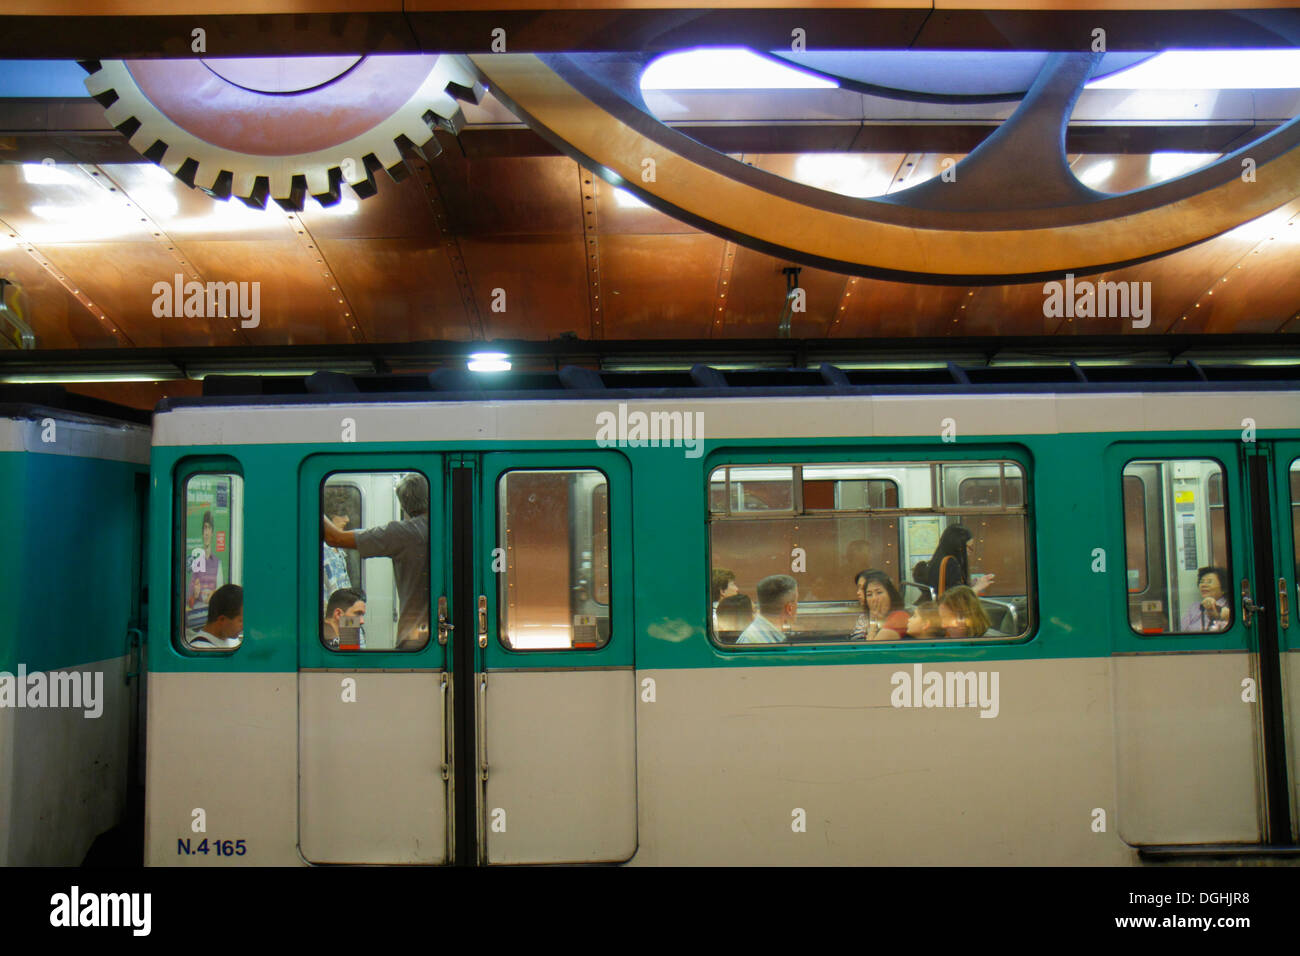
<point>76,439</point>
<point>734,418</point>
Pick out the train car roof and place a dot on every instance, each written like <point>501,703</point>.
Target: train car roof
<point>571,383</point>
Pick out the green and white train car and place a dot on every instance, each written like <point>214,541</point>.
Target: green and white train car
<point>571,699</point>
<point>71,571</point>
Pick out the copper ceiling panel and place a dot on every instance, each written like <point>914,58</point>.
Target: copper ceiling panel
<point>758,289</point>
<point>659,286</point>
<point>1019,309</point>
<point>1182,279</point>
<point>402,289</point>
<point>185,213</point>
<point>55,315</point>
<point>297,307</point>
<point>396,211</point>
<point>544,280</point>
<point>1262,293</point>
<point>621,213</point>
<point>57,204</point>
<point>510,196</point>
<point>875,308</point>
<point>119,278</point>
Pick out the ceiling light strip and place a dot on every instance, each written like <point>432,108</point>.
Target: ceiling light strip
<point>184,264</point>
<point>59,276</point>
<point>450,246</point>
<point>591,249</point>
<point>333,288</point>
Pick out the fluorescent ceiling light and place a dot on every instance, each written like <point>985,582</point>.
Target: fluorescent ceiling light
<point>72,378</point>
<point>1163,166</point>
<point>488,362</point>
<point>843,173</point>
<point>625,200</point>
<point>726,68</point>
<point>48,174</point>
<point>1097,173</point>
<point>1209,70</point>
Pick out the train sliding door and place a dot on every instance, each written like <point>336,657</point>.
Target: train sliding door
<point>373,689</point>
<point>1197,645</point>
<point>1280,597</point>
<point>555,694</point>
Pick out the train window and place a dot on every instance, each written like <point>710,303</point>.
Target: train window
<point>1135,533</point>
<point>554,529</point>
<point>1178,575</point>
<point>212,537</point>
<point>887,517</point>
<point>1295,526</point>
<point>374,570</point>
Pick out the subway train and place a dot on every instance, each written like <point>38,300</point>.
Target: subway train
<point>452,620</point>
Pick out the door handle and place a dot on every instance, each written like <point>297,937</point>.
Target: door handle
<point>1284,603</point>
<point>482,620</point>
<point>134,642</point>
<point>444,629</point>
<point>1248,607</point>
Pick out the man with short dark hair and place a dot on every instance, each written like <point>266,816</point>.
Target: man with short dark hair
<point>344,603</point>
<point>225,621</point>
<point>778,603</point>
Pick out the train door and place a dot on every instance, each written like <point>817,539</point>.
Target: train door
<point>1199,713</point>
<point>554,685</point>
<point>1273,471</point>
<point>374,696</point>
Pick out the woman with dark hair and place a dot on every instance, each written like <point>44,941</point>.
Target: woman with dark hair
<point>1213,613</point>
<point>882,617</point>
<point>949,567</point>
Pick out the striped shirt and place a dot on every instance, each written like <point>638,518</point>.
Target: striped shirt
<point>762,631</point>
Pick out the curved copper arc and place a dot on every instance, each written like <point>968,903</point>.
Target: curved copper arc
<point>916,244</point>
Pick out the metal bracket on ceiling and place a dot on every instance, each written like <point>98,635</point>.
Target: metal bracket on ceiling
<point>791,274</point>
<point>12,327</point>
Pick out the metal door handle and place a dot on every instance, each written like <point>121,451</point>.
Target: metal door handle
<point>1248,607</point>
<point>444,629</point>
<point>1284,603</point>
<point>482,620</point>
<point>134,642</point>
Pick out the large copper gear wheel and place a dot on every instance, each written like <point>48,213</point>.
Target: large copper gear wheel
<point>284,128</point>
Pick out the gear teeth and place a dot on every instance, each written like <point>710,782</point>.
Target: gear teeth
<point>388,155</point>
<point>289,179</point>
<point>318,180</point>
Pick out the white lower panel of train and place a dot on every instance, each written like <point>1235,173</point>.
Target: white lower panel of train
<point>752,765</point>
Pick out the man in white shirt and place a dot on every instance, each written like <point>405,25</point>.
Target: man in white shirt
<point>778,603</point>
<point>225,621</point>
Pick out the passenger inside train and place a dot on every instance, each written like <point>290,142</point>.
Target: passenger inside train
<point>882,617</point>
<point>778,606</point>
<point>925,622</point>
<point>345,619</point>
<point>1214,612</point>
<point>962,615</point>
<point>225,626</point>
<point>968,519</point>
<point>404,540</point>
<point>734,613</point>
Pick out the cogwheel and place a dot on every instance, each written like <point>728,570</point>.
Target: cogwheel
<point>284,128</point>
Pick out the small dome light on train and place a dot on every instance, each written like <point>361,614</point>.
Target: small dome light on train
<point>489,362</point>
